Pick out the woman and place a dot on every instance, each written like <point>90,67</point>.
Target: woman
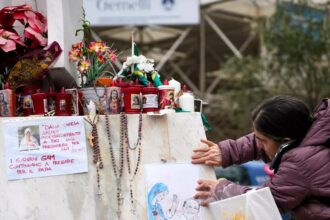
<point>297,146</point>
<point>158,193</point>
<point>155,195</point>
<point>28,141</point>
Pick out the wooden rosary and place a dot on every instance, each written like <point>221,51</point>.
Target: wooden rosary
<point>138,159</point>
<point>93,139</point>
<point>117,169</point>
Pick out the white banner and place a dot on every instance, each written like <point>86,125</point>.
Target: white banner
<point>142,12</point>
<point>47,147</point>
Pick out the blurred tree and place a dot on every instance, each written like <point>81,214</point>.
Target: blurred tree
<point>297,51</point>
<point>294,60</point>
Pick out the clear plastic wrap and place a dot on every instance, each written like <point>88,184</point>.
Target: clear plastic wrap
<point>254,205</point>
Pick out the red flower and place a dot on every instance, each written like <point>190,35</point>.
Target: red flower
<point>35,25</point>
<point>101,59</point>
<point>8,15</point>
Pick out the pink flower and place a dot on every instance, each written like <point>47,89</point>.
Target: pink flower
<point>35,24</point>
<point>112,55</point>
<point>8,15</point>
<point>37,38</point>
<point>8,40</point>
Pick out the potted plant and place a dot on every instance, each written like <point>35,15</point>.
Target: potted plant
<point>93,60</point>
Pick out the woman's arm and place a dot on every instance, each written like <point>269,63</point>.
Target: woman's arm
<point>241,150</point>
<point>228,152</point>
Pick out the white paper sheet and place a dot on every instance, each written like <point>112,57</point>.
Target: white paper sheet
<point>47,147</point>
<point>170,188</point>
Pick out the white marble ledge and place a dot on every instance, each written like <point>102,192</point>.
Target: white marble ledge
<point>168,138</point>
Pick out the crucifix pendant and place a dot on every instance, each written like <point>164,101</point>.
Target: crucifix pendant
<point>133,207</point>
<point>90,138</point>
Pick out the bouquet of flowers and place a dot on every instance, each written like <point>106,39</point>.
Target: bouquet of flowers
<point>139,67</point>
<point>92,59</point>
<point>13,19</point>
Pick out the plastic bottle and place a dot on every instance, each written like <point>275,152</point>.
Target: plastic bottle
<point>186,100</point>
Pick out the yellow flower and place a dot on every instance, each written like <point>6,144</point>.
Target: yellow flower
<point>98,47</point>
<point>84,65</point>
<point>74,55</point>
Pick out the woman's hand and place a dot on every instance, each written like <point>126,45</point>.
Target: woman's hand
<point>206,191</point>
<point>209,155</point>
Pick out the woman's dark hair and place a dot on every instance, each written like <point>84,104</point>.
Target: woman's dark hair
<point>282,116</point>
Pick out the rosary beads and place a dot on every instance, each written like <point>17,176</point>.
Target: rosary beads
<point>138,159</point>
<point>138,141</point>
<point>124,151</point>
<point>117,169</point>
<point>94,143</point>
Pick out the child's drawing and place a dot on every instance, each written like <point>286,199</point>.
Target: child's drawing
<point>170,188</point>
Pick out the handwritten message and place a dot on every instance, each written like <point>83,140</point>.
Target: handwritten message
<point>48,147</point>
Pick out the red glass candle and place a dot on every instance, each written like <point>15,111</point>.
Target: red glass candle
<point>166,96</point>
<point>27,103</point>
<point>63,104</point>
<point>40,103</point>
<point>132,101</point>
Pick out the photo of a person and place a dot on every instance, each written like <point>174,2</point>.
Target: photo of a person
<point>168,101</point>
<point>135,102</point>
<point>27,102</point>
<point>114,102</point>
<point>62,104</point>
<point>28,141</point>
<point>3,105</point>
<point>51,104</point>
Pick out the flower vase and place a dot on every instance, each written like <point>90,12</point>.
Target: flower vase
<point>96,95</point>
